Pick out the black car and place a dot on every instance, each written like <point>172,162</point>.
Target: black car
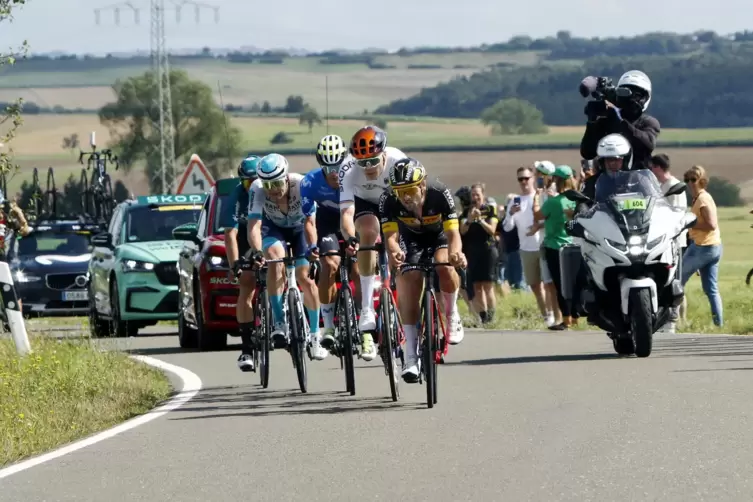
<point>49,267</point>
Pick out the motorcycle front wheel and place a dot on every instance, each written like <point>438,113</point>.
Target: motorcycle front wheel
<point>641,322</point>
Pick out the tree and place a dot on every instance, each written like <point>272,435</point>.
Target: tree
<point>71,142</point>
<point>309,116</point>
<point>10,117</point>
<point>294,104</point>
<point>725,194</point>
<point>514,116</point>
<point>200,125</point>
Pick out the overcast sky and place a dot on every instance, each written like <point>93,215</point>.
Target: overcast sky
<point>69,25</point>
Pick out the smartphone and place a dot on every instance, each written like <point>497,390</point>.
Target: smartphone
<point>516,201</point>
<point>540,182</point>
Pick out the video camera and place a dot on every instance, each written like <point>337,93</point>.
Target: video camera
<point>602,88</point>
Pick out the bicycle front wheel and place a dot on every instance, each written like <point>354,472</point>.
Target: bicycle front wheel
<point>428,363</point>
<point>346,319</point>
<point>264,336</point>
<point>388,341</point>
<point>298,339</point>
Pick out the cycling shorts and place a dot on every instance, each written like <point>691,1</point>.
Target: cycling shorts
<point>364,207</point>
<point>272,235</point>
<point>421,247</point>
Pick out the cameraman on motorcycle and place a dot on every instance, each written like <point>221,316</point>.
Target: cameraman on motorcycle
<point>626,116</point>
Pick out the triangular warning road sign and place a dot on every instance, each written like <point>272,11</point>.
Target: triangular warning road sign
<point>196,178</point>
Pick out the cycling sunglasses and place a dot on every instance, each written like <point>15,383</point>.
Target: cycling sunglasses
<point>408,192</point>
<point>372,162</point>
<point>330,169</point>
<point>273,185</point>
<point>247,183</point>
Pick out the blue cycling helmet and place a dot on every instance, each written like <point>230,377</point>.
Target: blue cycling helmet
<point>273,167</point>
<point>247,169</point>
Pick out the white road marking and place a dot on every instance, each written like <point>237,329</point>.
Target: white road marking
<point>191,386</point>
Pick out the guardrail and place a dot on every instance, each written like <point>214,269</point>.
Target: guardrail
<point>12,310</point>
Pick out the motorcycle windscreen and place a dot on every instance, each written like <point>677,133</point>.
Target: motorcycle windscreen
<point>629,194</point>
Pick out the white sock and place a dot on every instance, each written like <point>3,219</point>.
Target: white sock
<point>328,315</point>
<point>411,340</point>
<point>367,292</point>
<point>450,303</point>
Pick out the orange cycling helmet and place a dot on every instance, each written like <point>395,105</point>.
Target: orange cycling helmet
<point>368,142</point>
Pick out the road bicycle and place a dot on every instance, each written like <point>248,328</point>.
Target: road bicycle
<point>98,200</point>
<point>299,344</point>
<point>262,319</point>
<point>432,329</point>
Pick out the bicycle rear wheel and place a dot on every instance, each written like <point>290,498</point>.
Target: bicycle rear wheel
<point>85,194</point>
<point>346,319</point>
<point>108,202</point>
<point>263,336</point>
<point>297,339</point>
<point>428,363</point>
<point>388,341</point>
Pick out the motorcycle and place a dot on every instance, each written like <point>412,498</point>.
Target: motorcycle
<point>628,245</point>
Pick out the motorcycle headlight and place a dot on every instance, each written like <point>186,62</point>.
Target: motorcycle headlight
<point>137,266</point>
<point>217,263</point>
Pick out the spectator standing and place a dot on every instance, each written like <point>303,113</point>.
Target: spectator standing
<point>478,226</point>
<point>705,248</point>
<point>510,250</point>
<point>519,216</point>
<point>555,212</point>
<point>660,166</point>
<point>545,188</point>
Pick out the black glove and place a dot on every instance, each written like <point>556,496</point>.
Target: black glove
<point>595,109</point>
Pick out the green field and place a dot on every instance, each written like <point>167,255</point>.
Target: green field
<point>351,88</point>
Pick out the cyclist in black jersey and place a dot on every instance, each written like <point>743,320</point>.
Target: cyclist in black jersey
<point>419,220</point>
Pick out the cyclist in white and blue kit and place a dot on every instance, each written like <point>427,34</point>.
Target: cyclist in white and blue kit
<point>322,185</point>
<point>279,214</point>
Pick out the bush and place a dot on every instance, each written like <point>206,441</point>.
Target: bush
<point>725,194</point>
<point>280,138</point>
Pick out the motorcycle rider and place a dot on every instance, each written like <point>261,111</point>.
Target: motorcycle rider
<point>626,117</point>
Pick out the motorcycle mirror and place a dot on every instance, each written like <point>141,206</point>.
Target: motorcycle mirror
<point>575,196</point>
<point>676,189</point>
<point>689,221</point>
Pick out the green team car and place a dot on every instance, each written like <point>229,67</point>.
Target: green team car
<point>133,273</point>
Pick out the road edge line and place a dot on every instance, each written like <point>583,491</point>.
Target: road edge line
<point>191,386</point>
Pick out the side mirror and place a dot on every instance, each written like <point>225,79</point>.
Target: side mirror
<point>576,196</point>
<point>187,232</point>
<point>103,240</point>
<point>689,221</point>
<point>676,189</point>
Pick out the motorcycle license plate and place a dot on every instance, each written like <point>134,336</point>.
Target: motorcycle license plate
<point>633,204</point>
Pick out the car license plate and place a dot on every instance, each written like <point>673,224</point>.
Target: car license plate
<point>75,296</point>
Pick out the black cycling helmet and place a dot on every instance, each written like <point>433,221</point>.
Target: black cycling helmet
<point>406,173</point>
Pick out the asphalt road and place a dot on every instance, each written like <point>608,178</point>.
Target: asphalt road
<point>521,416</point>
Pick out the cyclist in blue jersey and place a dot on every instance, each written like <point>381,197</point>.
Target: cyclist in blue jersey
<point>279,214</point>
<point>233,219</point>
<point>322,186</point>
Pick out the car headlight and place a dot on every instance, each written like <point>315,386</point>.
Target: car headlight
<point>216,262</point>
<point>21,277</point>
<point>137,266</point>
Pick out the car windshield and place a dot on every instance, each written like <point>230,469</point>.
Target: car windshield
<point>217,228</point>
<point>156,223</point>
<point>52,242</point>
<point>640,183</point>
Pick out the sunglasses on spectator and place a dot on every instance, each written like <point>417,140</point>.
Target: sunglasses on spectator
<point>691,180</point>
<point>524,178</point>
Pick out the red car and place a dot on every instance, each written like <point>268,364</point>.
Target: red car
<point>207,295</point>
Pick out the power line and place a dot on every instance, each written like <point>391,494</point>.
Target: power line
<point>161,71</point>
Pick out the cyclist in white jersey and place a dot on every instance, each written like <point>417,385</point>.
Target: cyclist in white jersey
<point>361,186</point>
<point>279,214</point>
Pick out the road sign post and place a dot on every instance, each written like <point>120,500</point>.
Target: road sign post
<point>196,178</point>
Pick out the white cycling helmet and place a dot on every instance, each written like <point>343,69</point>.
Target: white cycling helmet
<point>272,167</point>
<point>636,78</point>
<point>615,146</point>
<point>545,167</point>
<point>331,150</point>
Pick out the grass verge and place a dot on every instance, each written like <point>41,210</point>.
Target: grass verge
<point>68,389</point>
<point>518,310</point>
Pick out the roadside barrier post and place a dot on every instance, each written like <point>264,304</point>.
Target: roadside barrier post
<point>13,311</point>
